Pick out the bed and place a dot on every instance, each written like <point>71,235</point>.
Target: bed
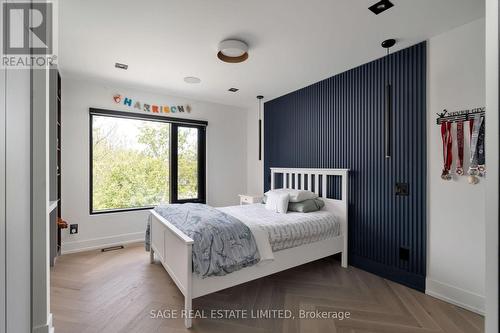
<point>289,230</point>
<point>317,235</point>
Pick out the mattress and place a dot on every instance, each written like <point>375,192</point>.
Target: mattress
<point>287,230</point>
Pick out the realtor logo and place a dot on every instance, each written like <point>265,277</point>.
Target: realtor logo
<point>27,28</point>
<point>27,36</point>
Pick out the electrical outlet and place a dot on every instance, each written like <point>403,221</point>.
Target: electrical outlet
<point>402,189</point>
<point>404,253</point>
<point>73,229</point>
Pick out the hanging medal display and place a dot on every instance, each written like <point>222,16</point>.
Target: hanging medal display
<point>460,146</point>
<point>475,126</point>
<point>447,150</point>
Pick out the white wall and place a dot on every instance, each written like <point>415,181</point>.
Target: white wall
<point>492,100</point>
<point>456,209</point>
<point>226,160</point>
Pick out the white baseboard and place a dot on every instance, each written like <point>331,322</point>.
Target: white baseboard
<point>51,323</point>
<point>102,242</point>
<point>457,296</point>
<point>46,328</point>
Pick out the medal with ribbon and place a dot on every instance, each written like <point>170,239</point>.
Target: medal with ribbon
<point>481,167</point>
<point>474,127</point>
<point>460,145</point>
<point>447,149</point>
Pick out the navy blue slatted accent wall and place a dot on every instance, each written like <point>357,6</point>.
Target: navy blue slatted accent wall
<point>339,123</point>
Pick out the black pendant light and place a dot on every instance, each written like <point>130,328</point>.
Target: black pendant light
<point>260,97</point>
<point>387,44</point>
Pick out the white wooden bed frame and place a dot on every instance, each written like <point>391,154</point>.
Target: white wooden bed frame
<point>174,249</point>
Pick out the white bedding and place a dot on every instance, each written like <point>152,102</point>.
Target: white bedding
<point>284,231</point>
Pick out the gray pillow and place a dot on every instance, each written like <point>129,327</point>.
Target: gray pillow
<point>306,206</point>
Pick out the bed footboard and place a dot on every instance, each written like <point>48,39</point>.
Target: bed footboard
<point>174,250</point>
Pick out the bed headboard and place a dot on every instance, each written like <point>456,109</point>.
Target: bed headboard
<point>316,180</point>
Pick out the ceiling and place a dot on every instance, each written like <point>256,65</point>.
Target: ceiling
<point>293,43</point>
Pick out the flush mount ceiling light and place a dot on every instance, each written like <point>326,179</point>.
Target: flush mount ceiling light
<point>233,89</point>
<point>381,6</point>
<point>121,66</point>
<point>233,51</point>
<point>192,79</point>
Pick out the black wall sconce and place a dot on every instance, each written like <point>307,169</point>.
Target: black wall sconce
<point>387,44</point>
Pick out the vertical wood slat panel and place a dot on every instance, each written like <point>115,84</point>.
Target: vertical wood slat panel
<point>338,123</point>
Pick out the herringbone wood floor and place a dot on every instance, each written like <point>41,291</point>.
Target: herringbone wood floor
<point>115,292</point>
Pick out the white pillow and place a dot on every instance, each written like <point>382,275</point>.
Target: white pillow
<point>295,195</point>
<point>277,202</point>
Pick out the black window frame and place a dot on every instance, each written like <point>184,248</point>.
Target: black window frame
<point>175,123</point>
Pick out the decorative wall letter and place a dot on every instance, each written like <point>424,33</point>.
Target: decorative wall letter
<point>117,98</point>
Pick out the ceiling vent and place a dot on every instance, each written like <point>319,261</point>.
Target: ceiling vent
<point>121,66</point>
<point>381,6</point>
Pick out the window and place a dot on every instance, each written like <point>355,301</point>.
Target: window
<point>187,157</point>
<point>139,161</point>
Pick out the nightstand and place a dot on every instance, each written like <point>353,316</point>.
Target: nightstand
<point>246,199</point>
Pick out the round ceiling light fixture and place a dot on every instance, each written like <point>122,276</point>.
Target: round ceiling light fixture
<point>233,51</point>
<point>192,79</point>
